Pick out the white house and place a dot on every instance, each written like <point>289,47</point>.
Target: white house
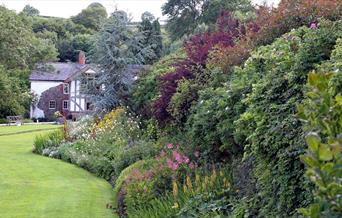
<point>57,87</point>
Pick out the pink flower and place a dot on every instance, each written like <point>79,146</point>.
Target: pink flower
<point>313,26</point>
<point>186,159</point>
<point>192,165</point>
<point>162,153</point>
<point>177,157</point>
<point>175,166</point>
<point>177,146</point>
<point>169,146</point>
<point>169,163</point>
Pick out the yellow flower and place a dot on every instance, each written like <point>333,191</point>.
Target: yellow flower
<point>225,183</point>
<point>221,173</point>
<point>185,189</point>
<point>189,183</point>
<point>175,205</point>
<point>213,176</point>
<point>174,188</point>
<point>197,182</point>
<point>197,179</point>
<point>206,180</point>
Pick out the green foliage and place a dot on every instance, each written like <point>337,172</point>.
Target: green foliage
<point>15,97</point>
<point>151,37</point>
<point>104,148</point>
<point>125,173</point>
<point>67,36</point>
<point>182,100</point>
<point>211,125</point>
<point>91,17</point>
<point>146,89</point>
<point>70,46</point>
<point>322,113</point>
<point>19,48</point>
<point>184,16</point>
<point>30,11</point>
<point>275,137</point>
<point>203,195</point>
<point>48,140</point>
<point>115,47</point>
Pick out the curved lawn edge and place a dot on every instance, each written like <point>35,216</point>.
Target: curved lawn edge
<point>35,186</point>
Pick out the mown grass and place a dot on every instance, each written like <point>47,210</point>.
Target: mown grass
<point>36,186</point>
<point>24,128</point>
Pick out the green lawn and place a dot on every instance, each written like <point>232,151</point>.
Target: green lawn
<point>18,129</point>
<point>32,186</point>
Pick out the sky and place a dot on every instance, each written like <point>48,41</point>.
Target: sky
<point>68,8</point>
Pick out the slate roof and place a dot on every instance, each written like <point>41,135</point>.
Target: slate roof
<point>63,71</point>
<point>56,71</point>
<point>135,69</point>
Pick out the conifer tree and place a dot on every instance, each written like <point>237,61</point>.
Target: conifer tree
<point>115,48</point>
<point>150,30</point>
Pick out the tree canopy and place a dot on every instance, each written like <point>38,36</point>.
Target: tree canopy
<point>91,17</point>
<point>30,11</point>
<point>19,47</point>
<point>185,15</point>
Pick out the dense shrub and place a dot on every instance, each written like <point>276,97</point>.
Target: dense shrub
<point>104,147</point>
<point>322,113</point>
<point>143,185</point>
<point>227,31</point>
<point>291,14</point>
<point>211,123</point>
<point>146,90</point>
<point>275,137</point>
<point>202,193</point>
<point>272,23</point>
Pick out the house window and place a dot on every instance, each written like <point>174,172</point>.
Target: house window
<point>52,104</point>
<point>66,88</point>
<point>65,105</point>
<point>89,106</point>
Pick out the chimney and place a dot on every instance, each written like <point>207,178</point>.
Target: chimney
<point>81,58</point>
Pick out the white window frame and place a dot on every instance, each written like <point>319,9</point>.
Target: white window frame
<point>67,102</point>
<point>64,88</point>
<point>51,108</point>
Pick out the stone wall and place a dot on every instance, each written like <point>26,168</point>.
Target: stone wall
<point>55,94</point>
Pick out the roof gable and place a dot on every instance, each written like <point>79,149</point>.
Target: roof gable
<point>57,71</point>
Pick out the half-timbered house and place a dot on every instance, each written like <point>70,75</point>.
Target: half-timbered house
<point>57,87</point>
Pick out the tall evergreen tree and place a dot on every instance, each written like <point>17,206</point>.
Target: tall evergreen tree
<point>150,30</point>
<point>115,48</point>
